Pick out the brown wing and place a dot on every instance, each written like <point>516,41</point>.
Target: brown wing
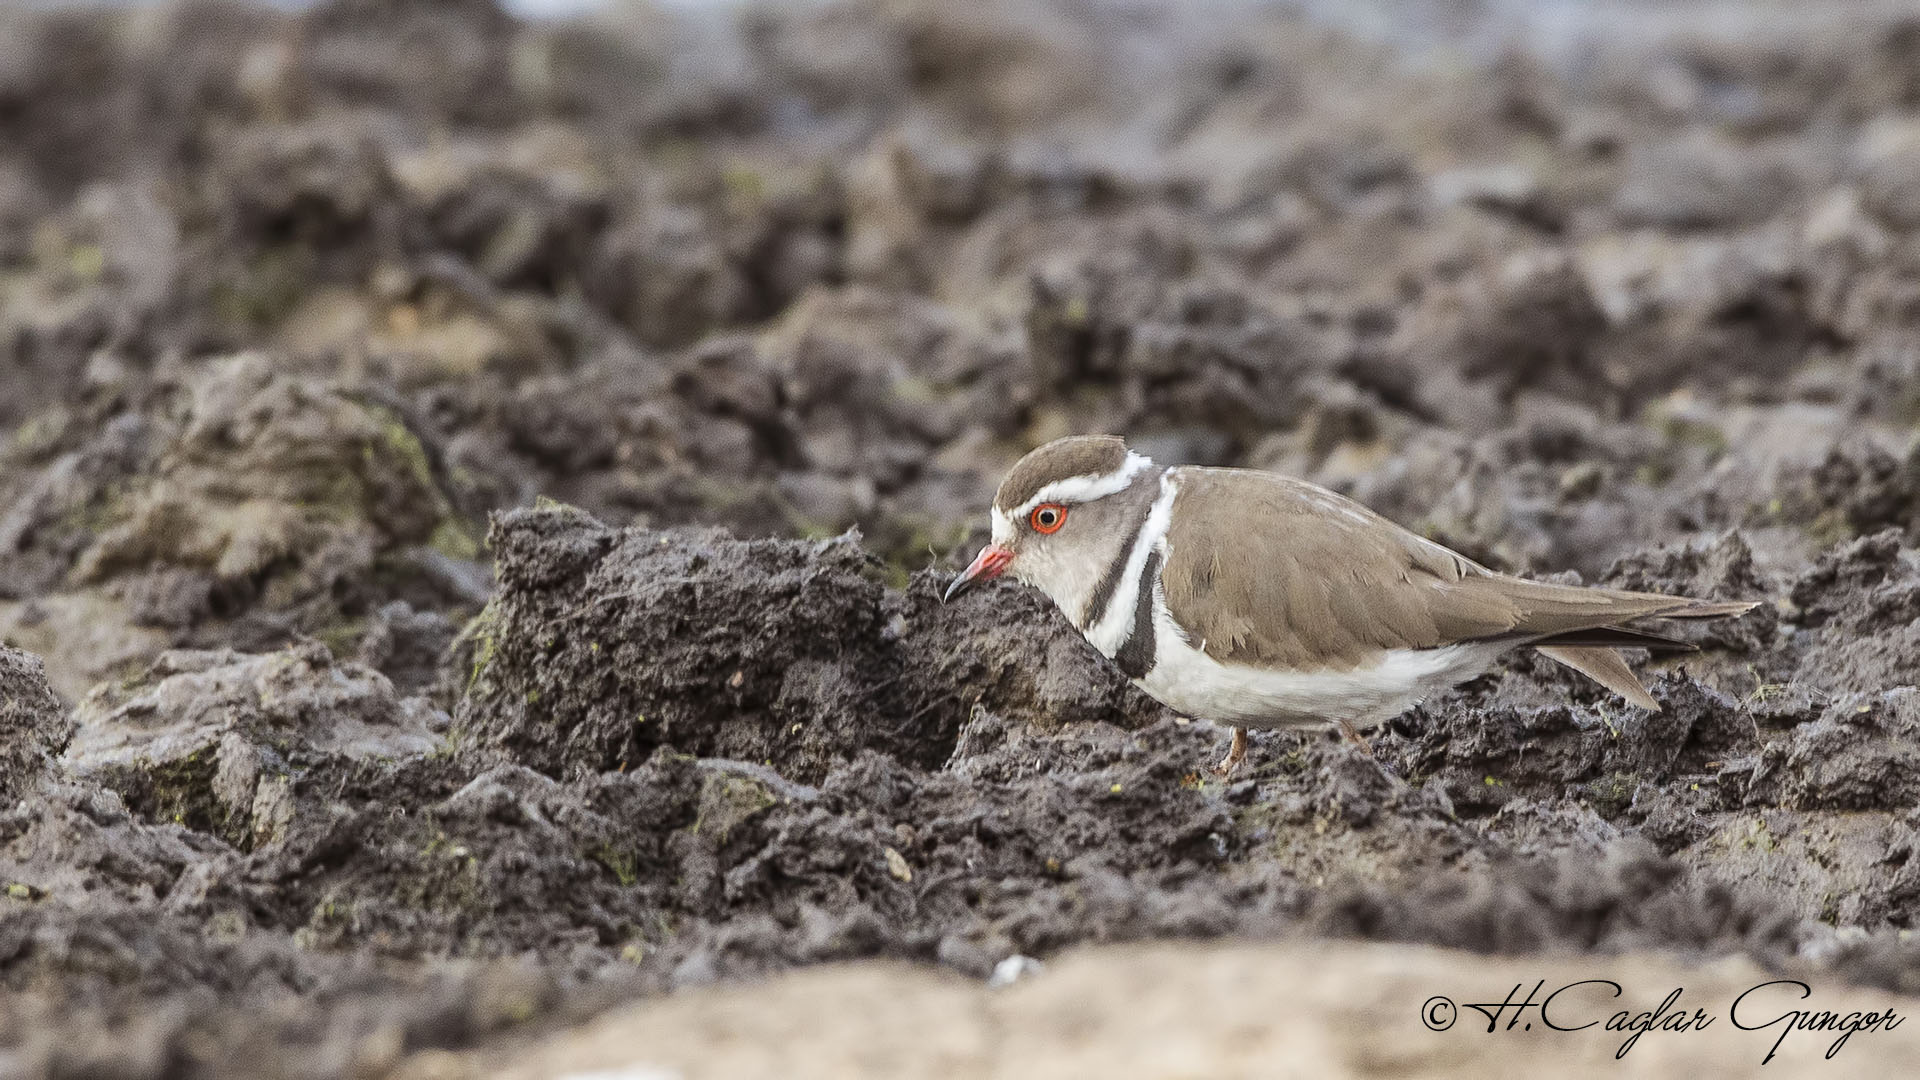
<point>1323,582</point>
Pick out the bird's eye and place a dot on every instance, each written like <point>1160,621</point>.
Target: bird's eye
<point>1048,517</point>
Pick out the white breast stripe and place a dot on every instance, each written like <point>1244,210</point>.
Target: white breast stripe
<point>1115,625</point>
<point>1079,489</point>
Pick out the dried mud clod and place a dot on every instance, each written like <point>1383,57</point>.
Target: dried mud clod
<point>226,744</point>
<point>33,723</point>
<point>239,505</point>
<point>603,644</point>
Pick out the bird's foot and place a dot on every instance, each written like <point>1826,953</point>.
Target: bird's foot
<point>1236,753</point>
<point>1357,739</point>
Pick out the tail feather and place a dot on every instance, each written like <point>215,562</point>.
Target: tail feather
<point>1711,609</point>
<point>1618,637</point>
<point>1604,666</point>
<point>1591,651</point>
<point>1546,609</point>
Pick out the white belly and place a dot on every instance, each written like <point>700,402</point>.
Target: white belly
<point>1188,680</point>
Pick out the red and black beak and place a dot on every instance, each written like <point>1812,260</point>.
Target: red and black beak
<point>992,559</point>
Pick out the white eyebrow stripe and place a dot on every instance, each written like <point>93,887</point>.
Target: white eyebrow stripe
<point>1079,489</point>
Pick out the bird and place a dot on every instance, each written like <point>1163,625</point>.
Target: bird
<point>1251,599</point>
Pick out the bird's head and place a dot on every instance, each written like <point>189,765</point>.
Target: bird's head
<point>1063,515</point>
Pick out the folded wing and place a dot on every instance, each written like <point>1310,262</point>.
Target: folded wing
<point>1330,584</point>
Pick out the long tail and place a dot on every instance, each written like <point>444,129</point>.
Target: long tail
<point>1592,652</point>
<point>1711,609</point>
<point>1618,637</point>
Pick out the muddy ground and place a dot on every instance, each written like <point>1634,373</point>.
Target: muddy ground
<point>475,495</point>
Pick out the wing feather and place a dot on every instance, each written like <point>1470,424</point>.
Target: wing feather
<point>1323,582</point>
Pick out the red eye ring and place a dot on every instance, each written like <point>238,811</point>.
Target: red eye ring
<point>1047,518</point>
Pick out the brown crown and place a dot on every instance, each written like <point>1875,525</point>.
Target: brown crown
<point>1075,455</point>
